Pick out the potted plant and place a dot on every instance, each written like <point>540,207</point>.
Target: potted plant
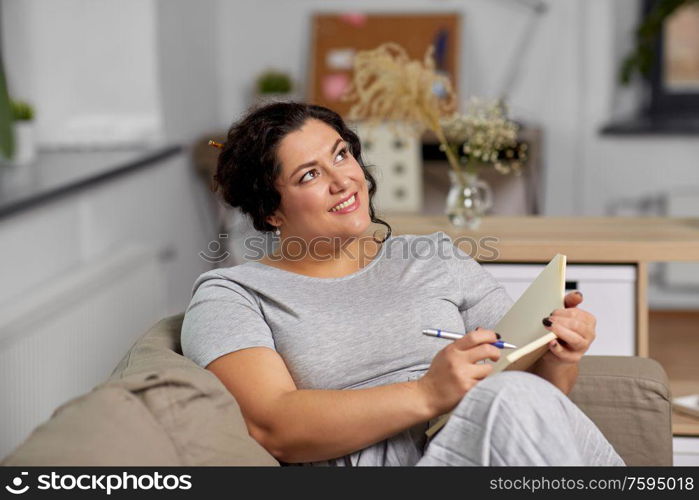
<point>274,85</point>
<point>22,114</point>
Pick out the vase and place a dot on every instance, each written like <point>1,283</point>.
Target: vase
<point>25,143</point>
<point>468,200</point>
<point>269,98</point>
<point>18,172</point>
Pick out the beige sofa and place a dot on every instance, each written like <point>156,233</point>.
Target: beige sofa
<point>159,408</point>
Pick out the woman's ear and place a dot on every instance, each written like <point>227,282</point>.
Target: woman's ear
<point>273,220</point>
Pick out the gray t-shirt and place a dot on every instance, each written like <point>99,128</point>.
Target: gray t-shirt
<point>357,331</point>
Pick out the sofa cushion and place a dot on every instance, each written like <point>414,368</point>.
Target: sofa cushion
<point>628,398</point>
<point>194,408</point>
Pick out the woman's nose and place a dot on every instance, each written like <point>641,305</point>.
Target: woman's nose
<point>340,181</point>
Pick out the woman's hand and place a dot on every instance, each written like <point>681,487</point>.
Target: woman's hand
<point>575,329</point>
<point>453,371</point>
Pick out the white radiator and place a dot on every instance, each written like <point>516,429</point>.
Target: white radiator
<point>66,335</point>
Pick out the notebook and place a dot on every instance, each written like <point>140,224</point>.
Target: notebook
<point>522,325</point>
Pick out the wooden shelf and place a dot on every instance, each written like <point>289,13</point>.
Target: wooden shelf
<point>684,425</point>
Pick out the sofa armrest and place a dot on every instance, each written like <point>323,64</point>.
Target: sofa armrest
<point>628,398</point>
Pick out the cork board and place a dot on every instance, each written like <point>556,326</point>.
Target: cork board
<point>337,37</point>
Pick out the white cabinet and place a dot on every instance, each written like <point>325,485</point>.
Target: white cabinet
<point>608,293</point>
<point>394,159</point>
<point>685,451</point>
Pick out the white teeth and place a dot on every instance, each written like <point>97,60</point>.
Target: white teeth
<point>343,205</point>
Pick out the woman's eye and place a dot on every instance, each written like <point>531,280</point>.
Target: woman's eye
<point>306,174</point>
<point>342,154</point>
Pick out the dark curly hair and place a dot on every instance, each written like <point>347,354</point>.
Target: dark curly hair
<point>248,165</point>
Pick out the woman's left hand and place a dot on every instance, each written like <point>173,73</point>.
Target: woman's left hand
<point>575,329</point>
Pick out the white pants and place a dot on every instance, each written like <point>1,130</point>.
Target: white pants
<point>512,418</point>
<point>517,418</point>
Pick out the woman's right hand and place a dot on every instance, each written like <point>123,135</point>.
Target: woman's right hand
<point>453,371</point>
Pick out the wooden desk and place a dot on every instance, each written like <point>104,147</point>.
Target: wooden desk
<point>629,240</point>
<point>582,239</point>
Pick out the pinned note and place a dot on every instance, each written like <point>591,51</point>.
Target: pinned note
<point>340,59</point>
<point>334,86</point>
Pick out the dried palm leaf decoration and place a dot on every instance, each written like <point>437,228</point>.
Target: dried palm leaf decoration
<point>388,85</point>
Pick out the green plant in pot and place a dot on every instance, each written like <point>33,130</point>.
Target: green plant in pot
<point>21,111</point>
<point>22,114</point>
<point>274,85</point>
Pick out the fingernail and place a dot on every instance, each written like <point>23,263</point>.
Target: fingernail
<point>546,322</point>
<point>477,327</point>
<point>579,293</point>
<point>498,335</point>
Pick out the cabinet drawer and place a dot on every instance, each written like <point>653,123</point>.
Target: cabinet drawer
<point>395,162</point>
<point>685,451</point>
<point>609,294</point>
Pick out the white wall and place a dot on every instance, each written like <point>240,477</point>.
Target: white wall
<point>150,58</point>
<point>73,58</point>
<point>189,60</point>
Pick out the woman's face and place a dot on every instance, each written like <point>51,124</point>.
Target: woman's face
<point>318,172</point>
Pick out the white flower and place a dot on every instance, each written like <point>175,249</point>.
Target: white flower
<point>483,132</point>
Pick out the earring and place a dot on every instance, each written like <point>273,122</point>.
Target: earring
<point>277,232</point>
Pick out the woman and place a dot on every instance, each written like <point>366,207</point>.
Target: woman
<point>320,343</point>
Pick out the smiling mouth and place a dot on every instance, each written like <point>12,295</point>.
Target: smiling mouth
<point>347,203</point>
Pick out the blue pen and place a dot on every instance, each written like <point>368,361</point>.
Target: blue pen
<point>432,332</point>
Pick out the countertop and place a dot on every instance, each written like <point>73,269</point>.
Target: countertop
<point>58,173</point>
<point>582,239</point>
